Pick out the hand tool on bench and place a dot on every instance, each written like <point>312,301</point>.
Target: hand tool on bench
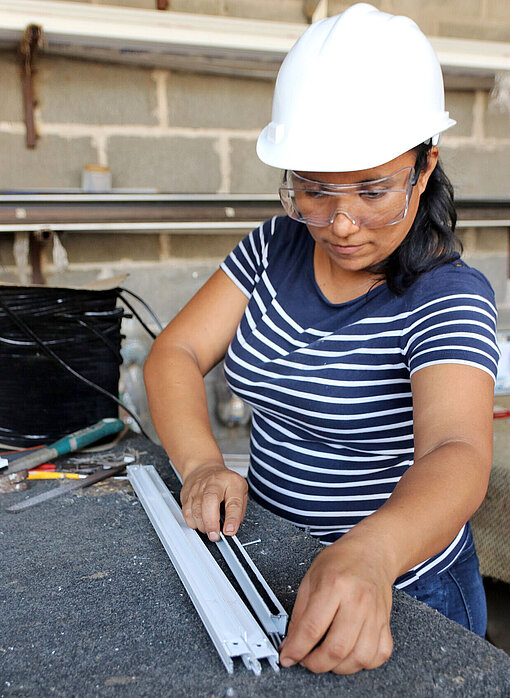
<point>65,489</point>
<point>68,444</point>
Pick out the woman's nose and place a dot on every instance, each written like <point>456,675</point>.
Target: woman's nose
<point>343,224</point>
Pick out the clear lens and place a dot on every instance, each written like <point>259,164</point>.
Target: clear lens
<point>370,204</point>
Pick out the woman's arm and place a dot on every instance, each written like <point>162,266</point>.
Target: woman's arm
<point>346,594</point>
<point>192,344</point>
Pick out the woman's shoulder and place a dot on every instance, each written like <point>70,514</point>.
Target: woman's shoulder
<point>451,280</point>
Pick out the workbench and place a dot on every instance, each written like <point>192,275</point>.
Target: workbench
<point>91,606</point>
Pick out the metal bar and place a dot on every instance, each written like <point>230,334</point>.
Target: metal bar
<point>273,622</point>
<point>175,227</point>
<point>60,490</point>
<point>149,227</point>
<point>28,48</point>
<point>268,610</point>
<point>231,627</point>
<point>42,196</point>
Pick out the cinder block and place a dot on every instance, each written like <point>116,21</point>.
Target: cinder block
<point>495,269</point>
<point>139,4</point>
<point>478,172</point>
<point>424,14</point>
<point>11,104</point>
<point>222,102</point>
<point>249,174</point>
<point>499,9</point>
<point>8,277</point>
<point>460,105</point>
<point>335,7</point>
<point>484,240</point>
<point>95,93</point>
<point>491,240</point>
<point>168,287</point>
<point>76,277</point>
<point>181,165</point>
<point>430,9</point>
<point>205,7</point>
<point>55,162</point>
<point>497,121</point>
<point>214,247</point>
<point>475,30</point>
<point>111,247</point>
<point>504,317</point>
<point>281,11</point>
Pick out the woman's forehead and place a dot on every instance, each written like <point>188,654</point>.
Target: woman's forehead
<point>362,176</point>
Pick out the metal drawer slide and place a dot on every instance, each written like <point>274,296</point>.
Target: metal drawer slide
<point>232,628</point>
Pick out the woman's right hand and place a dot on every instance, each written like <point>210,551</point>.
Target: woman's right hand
<point>203,491</point>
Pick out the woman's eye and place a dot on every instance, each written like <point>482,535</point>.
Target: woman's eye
<point>371,195</point>
<point>314,193</point>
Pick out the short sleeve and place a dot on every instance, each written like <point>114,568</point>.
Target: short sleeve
<point>245,264</point>
<point>458,327</point>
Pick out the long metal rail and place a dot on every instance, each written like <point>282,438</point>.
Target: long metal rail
<point>269,611</point>
<point>116,212</point>
<point>232,628</point>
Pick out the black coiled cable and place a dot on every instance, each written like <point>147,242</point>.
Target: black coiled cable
<point>59,361</point>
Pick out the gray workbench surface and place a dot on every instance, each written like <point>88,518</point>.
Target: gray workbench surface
<point>91,605</point>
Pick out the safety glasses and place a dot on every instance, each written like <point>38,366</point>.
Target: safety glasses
<point>370,204</point>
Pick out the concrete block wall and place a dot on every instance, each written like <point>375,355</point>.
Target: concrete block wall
<point>187,132</point>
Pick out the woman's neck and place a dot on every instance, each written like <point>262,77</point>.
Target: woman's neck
<point>341,285</point>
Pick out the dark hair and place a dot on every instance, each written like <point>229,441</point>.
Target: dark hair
<point>431,241</point>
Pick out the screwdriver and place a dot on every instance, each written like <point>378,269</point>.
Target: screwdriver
<point>67,444</point>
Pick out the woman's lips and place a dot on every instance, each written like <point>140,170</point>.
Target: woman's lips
<point>347,249</point>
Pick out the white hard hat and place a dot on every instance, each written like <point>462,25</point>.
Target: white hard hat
<point>355,91</point>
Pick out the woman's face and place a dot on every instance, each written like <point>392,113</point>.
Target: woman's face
<point>350,246</point>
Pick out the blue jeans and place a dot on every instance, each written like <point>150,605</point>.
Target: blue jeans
<point>457,593</point>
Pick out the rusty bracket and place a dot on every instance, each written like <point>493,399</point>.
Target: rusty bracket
<point>37,242</point>
<point>162,4</point>
<point>30,42</point>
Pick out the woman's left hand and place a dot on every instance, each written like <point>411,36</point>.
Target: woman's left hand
<point>341,618</point>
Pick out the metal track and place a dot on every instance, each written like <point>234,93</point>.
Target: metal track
<point>266,606</point>
<point>269,611</point>
<point>233,630</point>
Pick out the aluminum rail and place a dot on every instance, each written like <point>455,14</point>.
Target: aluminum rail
<point>274,620</point>
<point>260,596</point>
<point>233,630</point>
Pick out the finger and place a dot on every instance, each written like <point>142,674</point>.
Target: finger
<point>196,514</point>
<point>371,650</point>
<point>313,622</point>
<point>235,507</point>
<point>339,642</point>
<point>187,512</point>
<point>211,500</point>
<point>297,612</point>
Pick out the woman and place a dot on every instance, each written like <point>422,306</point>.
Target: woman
<point>365,346</point>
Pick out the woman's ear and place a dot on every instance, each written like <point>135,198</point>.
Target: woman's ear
<point>432,157</point>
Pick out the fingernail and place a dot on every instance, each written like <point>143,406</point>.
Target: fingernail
<point>287,662</point>
<point>229,528</point>
<point>213,536</point>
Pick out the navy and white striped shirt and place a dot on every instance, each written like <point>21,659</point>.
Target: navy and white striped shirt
<point>329,384</point>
